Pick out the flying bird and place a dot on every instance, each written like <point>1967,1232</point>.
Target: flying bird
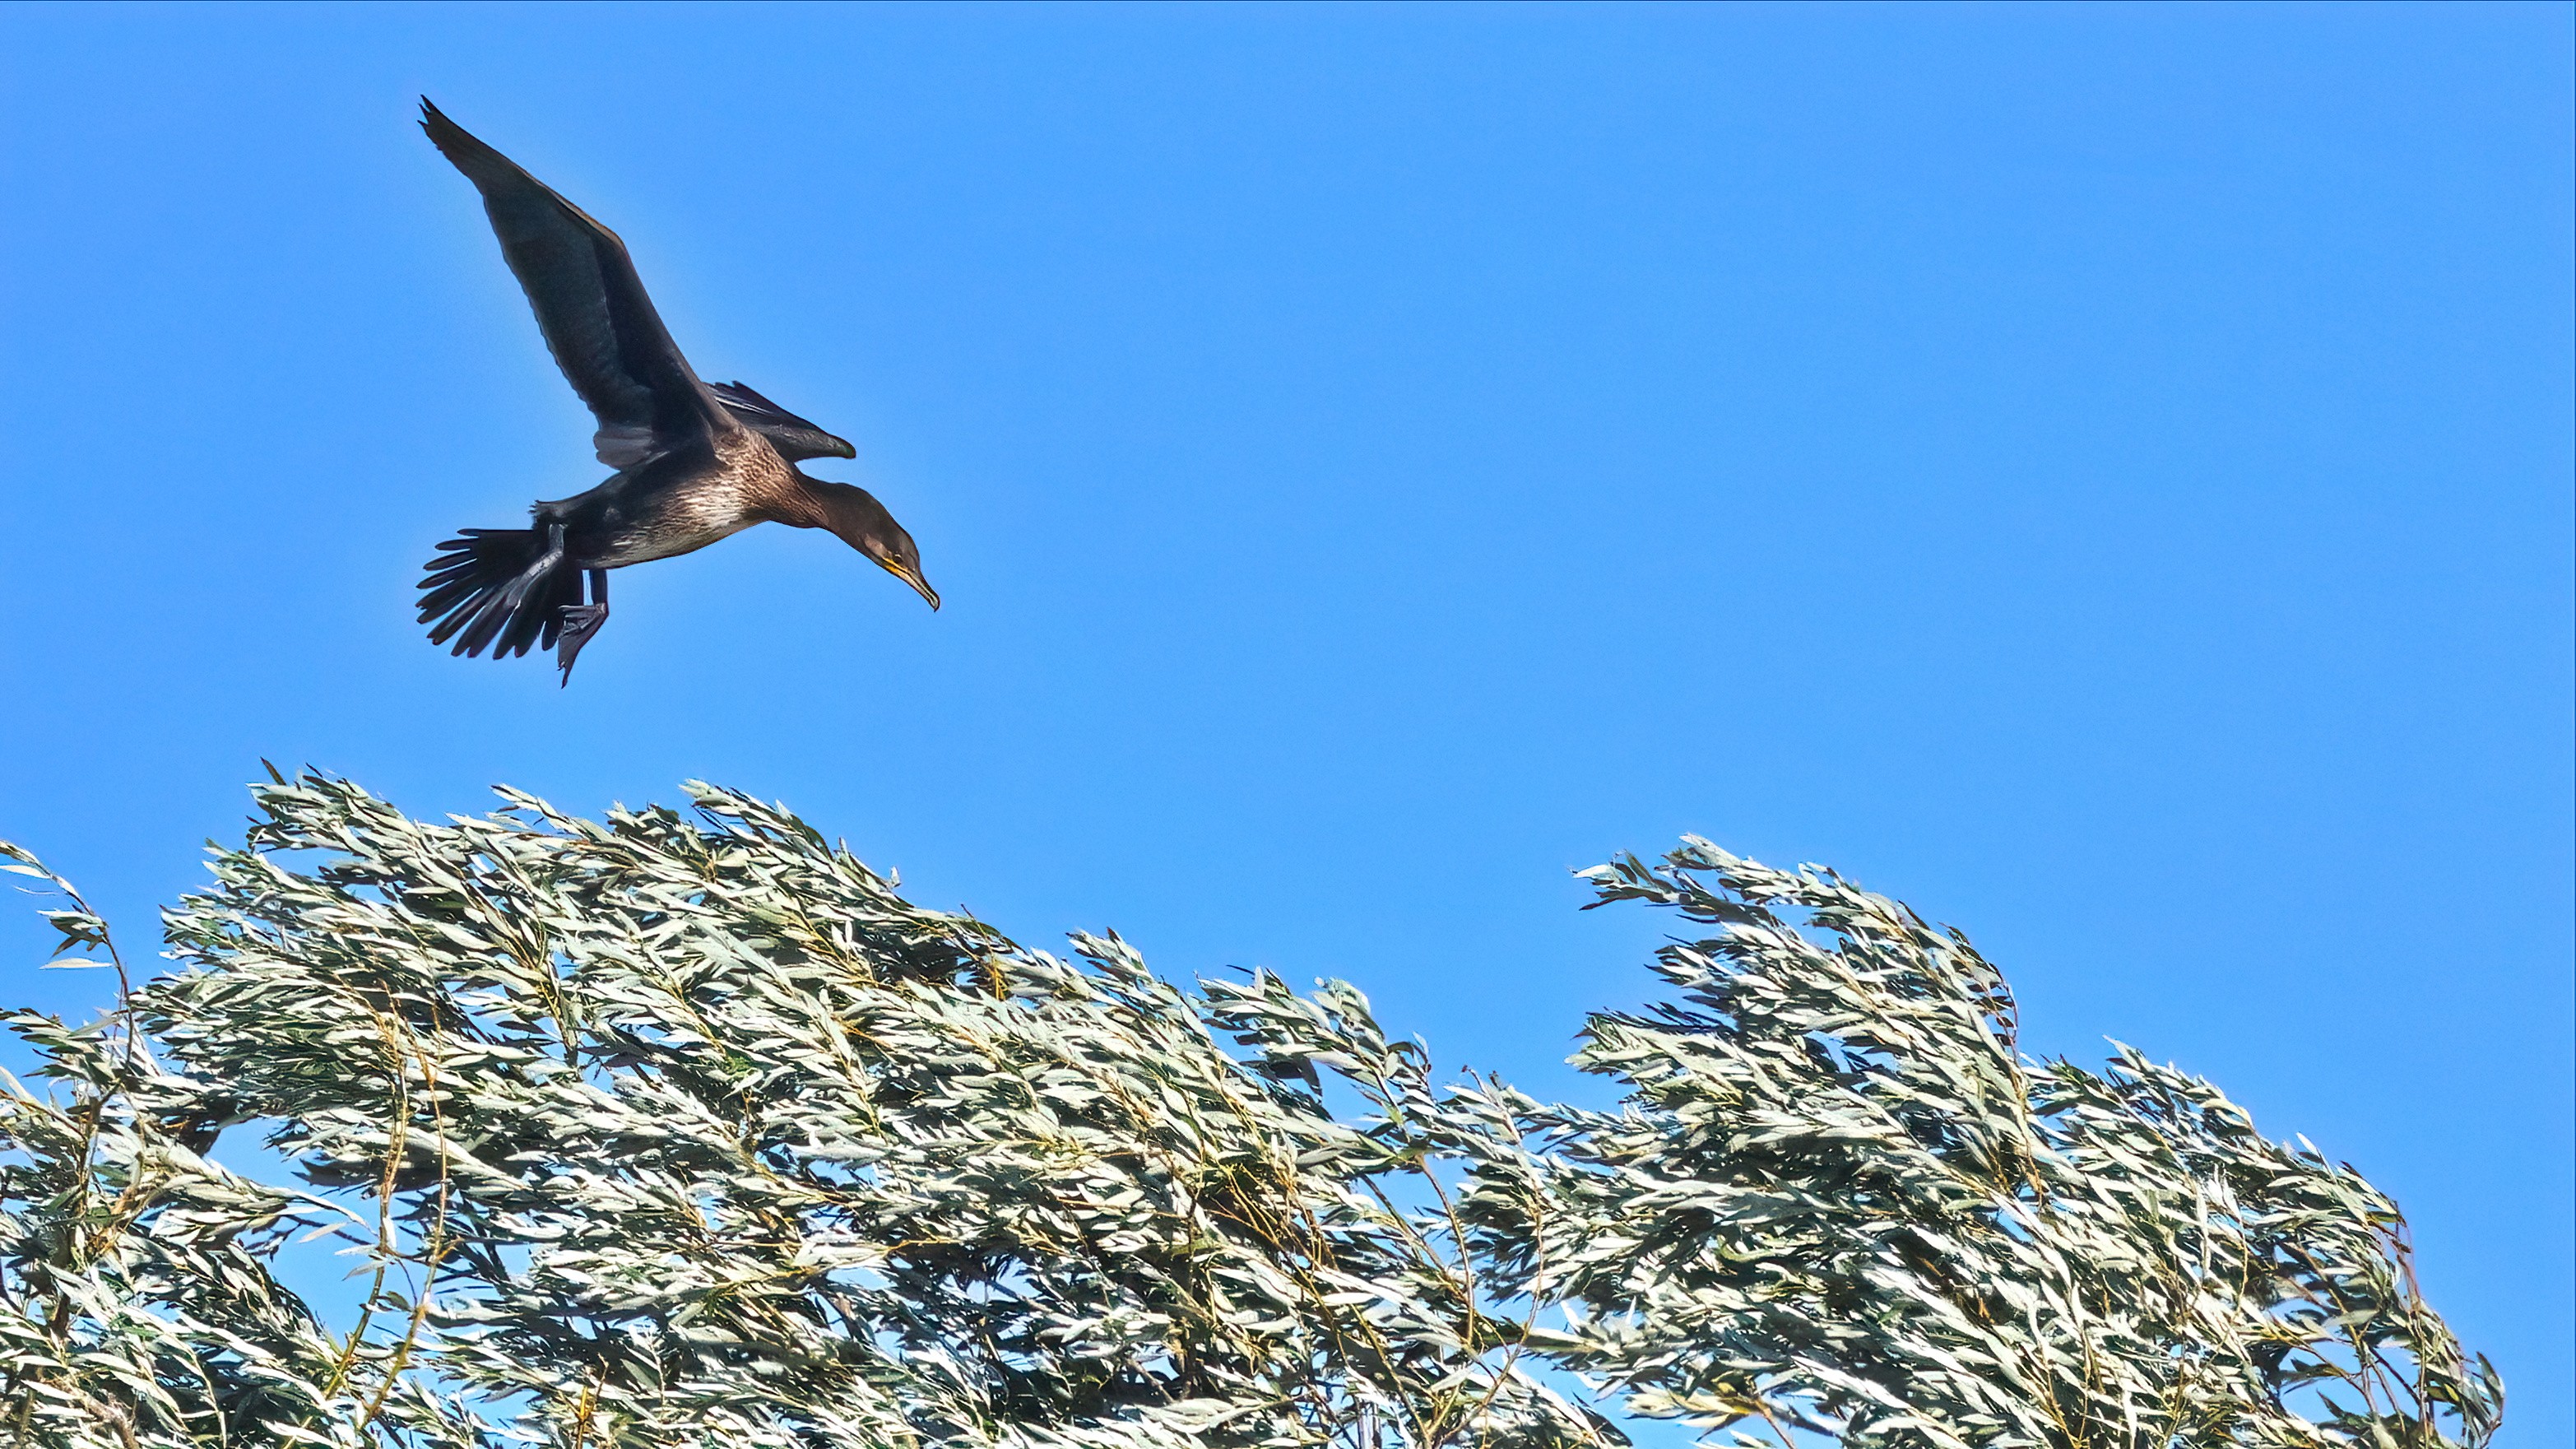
<point>695,461</point>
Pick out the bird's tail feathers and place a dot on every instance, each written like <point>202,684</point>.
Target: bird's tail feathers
<point>498,588</point>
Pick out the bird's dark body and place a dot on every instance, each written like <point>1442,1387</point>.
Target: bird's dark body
<point>670,504</point>
<point>695,461</point>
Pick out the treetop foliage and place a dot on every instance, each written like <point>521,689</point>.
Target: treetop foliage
<point>687,1129</point>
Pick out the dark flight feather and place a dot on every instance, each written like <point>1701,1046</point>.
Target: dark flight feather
<point>597,320</point>
<point>795,438</point>
<point>497,587</point>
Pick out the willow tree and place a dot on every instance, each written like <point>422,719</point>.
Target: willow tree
<point>674,1129</point>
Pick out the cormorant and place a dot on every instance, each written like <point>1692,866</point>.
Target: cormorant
<point>695,460</point>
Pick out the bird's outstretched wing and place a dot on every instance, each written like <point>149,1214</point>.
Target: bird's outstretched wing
<point>591,306</point>
<point>795,438</point>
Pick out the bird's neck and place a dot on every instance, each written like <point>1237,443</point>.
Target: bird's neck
<point>798,503</point>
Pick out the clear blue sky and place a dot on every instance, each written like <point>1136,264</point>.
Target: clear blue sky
<point>2102,475</point>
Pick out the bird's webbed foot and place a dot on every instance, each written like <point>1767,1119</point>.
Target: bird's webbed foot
<point>581,622</point>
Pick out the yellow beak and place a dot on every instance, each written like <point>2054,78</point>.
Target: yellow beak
<point>913,577</point>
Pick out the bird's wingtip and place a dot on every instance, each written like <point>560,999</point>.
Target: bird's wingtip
<point>440,126</point>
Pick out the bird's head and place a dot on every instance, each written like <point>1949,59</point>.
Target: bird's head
<point>859,520</point>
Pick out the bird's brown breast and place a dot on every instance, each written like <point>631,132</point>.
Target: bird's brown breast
<point>740,488</point>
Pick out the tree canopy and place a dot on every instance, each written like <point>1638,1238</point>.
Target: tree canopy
<point>688,1129</point>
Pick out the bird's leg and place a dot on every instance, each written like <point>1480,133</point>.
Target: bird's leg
<point>581,621</point>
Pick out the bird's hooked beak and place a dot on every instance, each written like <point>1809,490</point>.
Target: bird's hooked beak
<point>912,576</point>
